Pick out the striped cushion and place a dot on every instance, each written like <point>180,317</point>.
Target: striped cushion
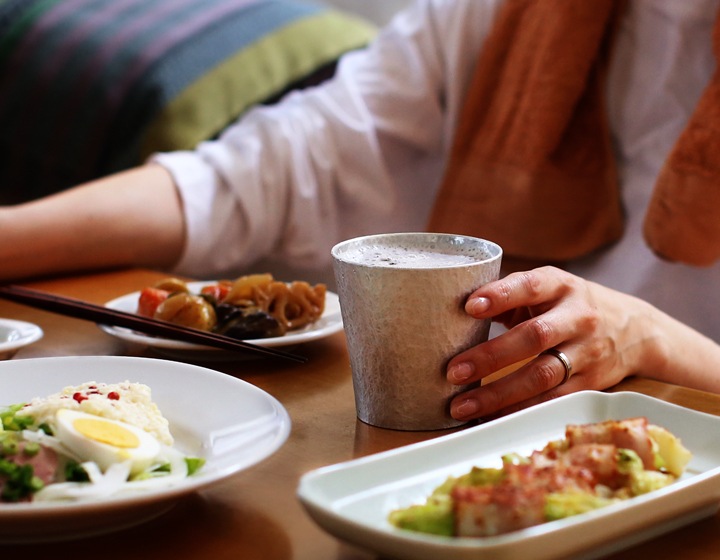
<point>94,86</point>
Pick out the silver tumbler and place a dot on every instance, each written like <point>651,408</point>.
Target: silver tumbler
<point>402,300</point>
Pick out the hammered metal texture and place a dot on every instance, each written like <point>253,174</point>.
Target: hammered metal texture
<point>402,327</point>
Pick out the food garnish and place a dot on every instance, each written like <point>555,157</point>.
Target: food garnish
<point>250,307</point>
<point>88,442</point>
<point>593,466</point>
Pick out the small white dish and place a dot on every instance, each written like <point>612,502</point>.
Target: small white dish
<point>352,500</point>
<point>229,422</point>
<point>16,334</point>
<point>329,323</point>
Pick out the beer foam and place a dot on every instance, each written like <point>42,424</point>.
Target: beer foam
<point>410,255</point>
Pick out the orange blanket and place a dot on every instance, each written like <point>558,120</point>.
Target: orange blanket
<point>532,166</point>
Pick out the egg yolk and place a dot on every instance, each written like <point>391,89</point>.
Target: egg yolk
<point>106,432</point>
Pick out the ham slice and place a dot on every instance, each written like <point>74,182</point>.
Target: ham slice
<point>624,434</point>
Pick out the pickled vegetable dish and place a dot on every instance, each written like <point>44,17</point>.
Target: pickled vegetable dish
<point>593,466</point>
<point>250,307</point>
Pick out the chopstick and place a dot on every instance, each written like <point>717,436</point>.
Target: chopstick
<point>100,314</point>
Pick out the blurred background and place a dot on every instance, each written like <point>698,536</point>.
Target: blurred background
<point>51,135</point>
<point>379,11</point>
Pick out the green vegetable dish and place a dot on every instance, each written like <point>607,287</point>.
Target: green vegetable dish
<point>593,466</point>
<point>88,442</point>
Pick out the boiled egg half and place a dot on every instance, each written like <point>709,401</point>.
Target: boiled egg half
<point>105,441</point>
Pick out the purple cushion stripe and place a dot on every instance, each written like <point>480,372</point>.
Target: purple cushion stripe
<point>142,30</point>
<point>98,127</point>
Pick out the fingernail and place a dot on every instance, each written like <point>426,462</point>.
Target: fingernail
<point>476,306</point>
<point>459,373</point>
<point>466,408</point>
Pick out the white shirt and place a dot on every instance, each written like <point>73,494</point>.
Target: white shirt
<point>365,153</point>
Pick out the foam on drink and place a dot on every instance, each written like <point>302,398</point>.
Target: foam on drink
<point>408,254</point>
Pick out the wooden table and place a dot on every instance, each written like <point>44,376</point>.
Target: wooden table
<point>255,514</point>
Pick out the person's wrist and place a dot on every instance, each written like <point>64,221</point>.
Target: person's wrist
<point>655,356</point>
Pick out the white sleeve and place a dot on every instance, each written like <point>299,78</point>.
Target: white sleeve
<point>361,153</point>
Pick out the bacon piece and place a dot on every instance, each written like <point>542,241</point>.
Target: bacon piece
<point>598,462</point>
<point>584,462</point>
<point>492,510</point>
<point>45,462</point>
<point>45,465</point>
<point>625,434</point>
<point>518,500</point>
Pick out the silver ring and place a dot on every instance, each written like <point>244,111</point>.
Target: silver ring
<point>565,362</point>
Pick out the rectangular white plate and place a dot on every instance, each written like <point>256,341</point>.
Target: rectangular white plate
<point>352,500</point>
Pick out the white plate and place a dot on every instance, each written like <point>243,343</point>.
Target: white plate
<point>352,500</point>
<point>225,420</point>
<point>329,323</point>
<point>16,334</point>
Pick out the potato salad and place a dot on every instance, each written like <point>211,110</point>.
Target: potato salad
<point>87,442</point>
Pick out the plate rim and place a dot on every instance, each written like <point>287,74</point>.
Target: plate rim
<point>30,333</point>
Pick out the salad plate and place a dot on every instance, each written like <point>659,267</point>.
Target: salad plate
<point>329,323</point>
<point>352,500</point>
<point>16,334</point>
<point>244,426</point>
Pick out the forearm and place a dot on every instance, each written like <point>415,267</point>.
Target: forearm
<point>678,354</point>
<point>130,219</point>
<point>637,338</point>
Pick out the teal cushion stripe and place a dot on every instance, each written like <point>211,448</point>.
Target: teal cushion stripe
<point>16,16</point>
<point>177,68</point>
<point>258,72</point>
<point>214,43</point>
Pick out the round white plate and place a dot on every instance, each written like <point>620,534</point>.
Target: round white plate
<point>16,334</point>
<point>329,323</point>
<point>229,422</point>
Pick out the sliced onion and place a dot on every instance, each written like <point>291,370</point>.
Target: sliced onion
<point>52,442</point>
<point>100,485</point>
<point>178,472</point>
<point>113,481</point>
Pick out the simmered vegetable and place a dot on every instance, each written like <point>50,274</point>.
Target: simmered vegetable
<point>253,306</point>
<point>187,310</point>
<point>246,323</point>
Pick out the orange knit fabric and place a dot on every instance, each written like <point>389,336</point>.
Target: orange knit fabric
<point>532,166</point>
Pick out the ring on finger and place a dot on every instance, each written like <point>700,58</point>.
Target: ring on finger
<point>564,360</point>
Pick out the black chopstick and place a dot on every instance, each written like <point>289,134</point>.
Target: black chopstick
<point>106,316</point>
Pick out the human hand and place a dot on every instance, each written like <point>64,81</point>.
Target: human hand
<point>603,333</point>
